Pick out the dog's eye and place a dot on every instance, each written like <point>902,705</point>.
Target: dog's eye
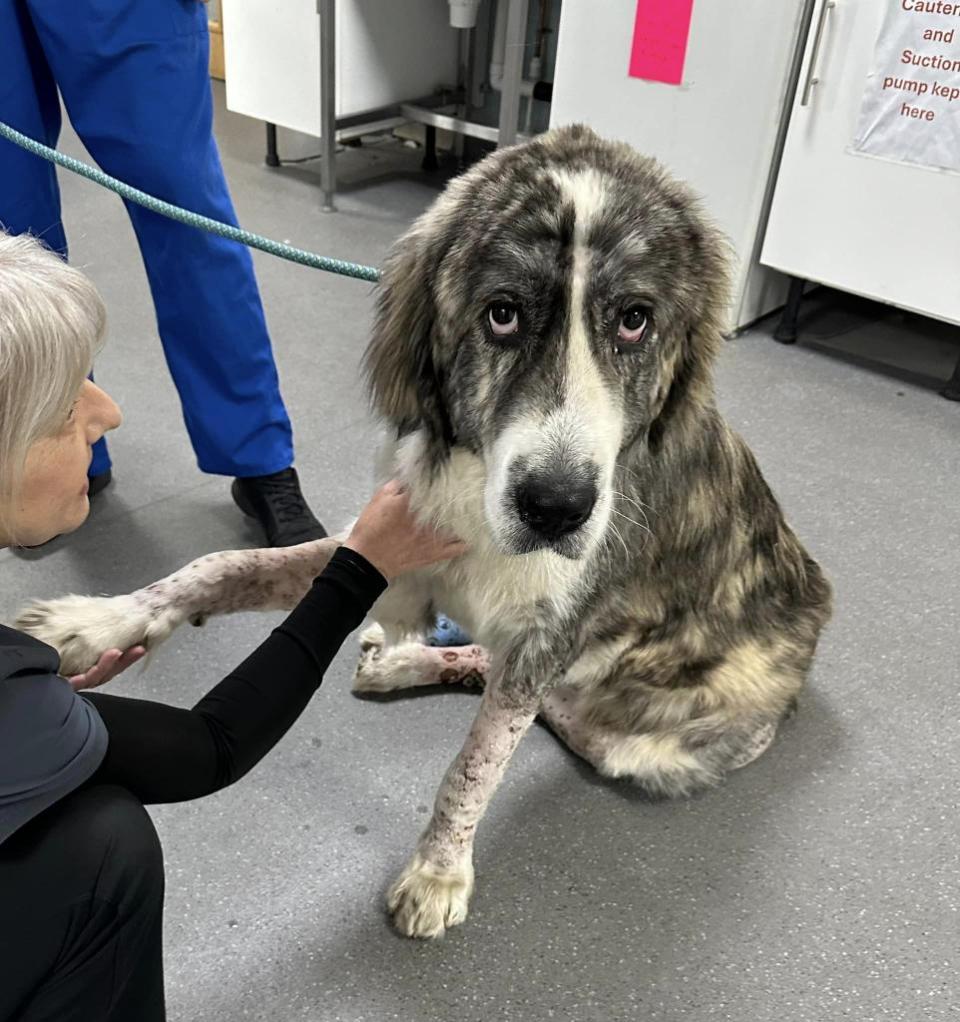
<point>504,318</point>
<point>633,324</point>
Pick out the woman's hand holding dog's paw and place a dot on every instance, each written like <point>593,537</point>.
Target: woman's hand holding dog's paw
<point>111,663</point>
<point>84,629</point>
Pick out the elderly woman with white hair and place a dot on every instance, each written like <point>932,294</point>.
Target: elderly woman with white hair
<point>81,869</point>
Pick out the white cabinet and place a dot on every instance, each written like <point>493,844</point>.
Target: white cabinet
<point>388,51</point>
<point>888,231</point>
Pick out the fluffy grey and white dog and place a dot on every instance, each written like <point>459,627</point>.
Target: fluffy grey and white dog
<point>542,357</point>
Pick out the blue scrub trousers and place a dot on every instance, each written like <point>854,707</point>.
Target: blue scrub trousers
<point>133,75</point>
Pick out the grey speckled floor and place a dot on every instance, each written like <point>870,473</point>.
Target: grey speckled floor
<point>821,883</point>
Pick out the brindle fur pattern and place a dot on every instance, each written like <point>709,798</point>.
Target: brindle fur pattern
<point>666,639</point>
<point>696,620</point>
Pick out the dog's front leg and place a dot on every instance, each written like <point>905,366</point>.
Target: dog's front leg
<point>433,891</point>
<point>404,611</point>
<point>82,627</point>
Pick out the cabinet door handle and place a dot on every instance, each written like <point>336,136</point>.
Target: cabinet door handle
<point>815,55</point>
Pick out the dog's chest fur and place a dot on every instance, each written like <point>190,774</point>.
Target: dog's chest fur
<point>494,596</point>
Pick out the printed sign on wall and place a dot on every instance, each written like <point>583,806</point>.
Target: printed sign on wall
<point>660,34</point>
<point>911,105</point>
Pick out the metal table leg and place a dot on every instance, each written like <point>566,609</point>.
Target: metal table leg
<point>328,101</point>
<point>513,71</point>
<point>430,161</point>
<point>952,390</point>
<point>272,159</point>
<point>786,332</point>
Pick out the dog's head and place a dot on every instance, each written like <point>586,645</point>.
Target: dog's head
<point>559,304</point>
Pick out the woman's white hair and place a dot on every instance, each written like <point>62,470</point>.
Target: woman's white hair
<point>51,325</point>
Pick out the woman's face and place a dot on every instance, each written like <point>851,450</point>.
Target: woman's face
<point>53,495</point>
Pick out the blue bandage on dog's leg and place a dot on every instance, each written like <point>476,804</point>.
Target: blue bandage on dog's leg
<point>448,633</point>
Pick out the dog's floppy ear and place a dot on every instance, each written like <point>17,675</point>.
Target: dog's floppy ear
<point>399,361</point>
<point>686,368</point>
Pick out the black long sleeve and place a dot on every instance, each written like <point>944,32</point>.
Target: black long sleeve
<point>167,754</point>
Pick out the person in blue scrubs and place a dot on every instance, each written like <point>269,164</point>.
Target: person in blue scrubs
<point>133,75</point>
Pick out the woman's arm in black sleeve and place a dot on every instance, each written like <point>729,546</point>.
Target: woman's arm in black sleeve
<point>167,754</point>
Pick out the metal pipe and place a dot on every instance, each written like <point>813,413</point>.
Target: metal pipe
<point>528,87</point>
<point>542,30</point>
<point>450,123</point>
<point>513,70</point>
<point>499,43</point>
<point>328,101</point>
<point>272,158</point>
<point>463,13</point>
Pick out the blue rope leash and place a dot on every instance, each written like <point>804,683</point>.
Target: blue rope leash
<point>184,216</point>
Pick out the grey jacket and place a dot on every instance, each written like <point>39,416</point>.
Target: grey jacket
<point>51,740</point>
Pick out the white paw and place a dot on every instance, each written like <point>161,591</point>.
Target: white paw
<point>425,899</point>
<point>82,627</point>
<point>372,638</point>
<point>368,677</point>
<point>384,671</point>
<point>382,667</point>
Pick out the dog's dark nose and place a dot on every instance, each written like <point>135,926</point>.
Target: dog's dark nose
<point>555,508</point>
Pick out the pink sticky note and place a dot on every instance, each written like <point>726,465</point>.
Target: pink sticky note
<point>660,40</point>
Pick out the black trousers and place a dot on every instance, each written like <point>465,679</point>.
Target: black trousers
<point>81,911</point>
<point>81,885</point>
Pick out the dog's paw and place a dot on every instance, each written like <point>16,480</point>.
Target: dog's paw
<point>425,899</point>
<point>82,627</point>
<point>367,674</point>
<point>386,672</point>
<point>382,669</point>
<point>372,638</point>
<point>368,677</point>
<point>391,669</point>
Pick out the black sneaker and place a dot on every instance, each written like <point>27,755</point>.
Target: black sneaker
<point>279,506</point>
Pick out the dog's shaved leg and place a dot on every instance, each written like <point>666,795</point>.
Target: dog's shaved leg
<point>411,664</point>
<point>433,891</point>
<point>235,580</point>
<point>82,627</point>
